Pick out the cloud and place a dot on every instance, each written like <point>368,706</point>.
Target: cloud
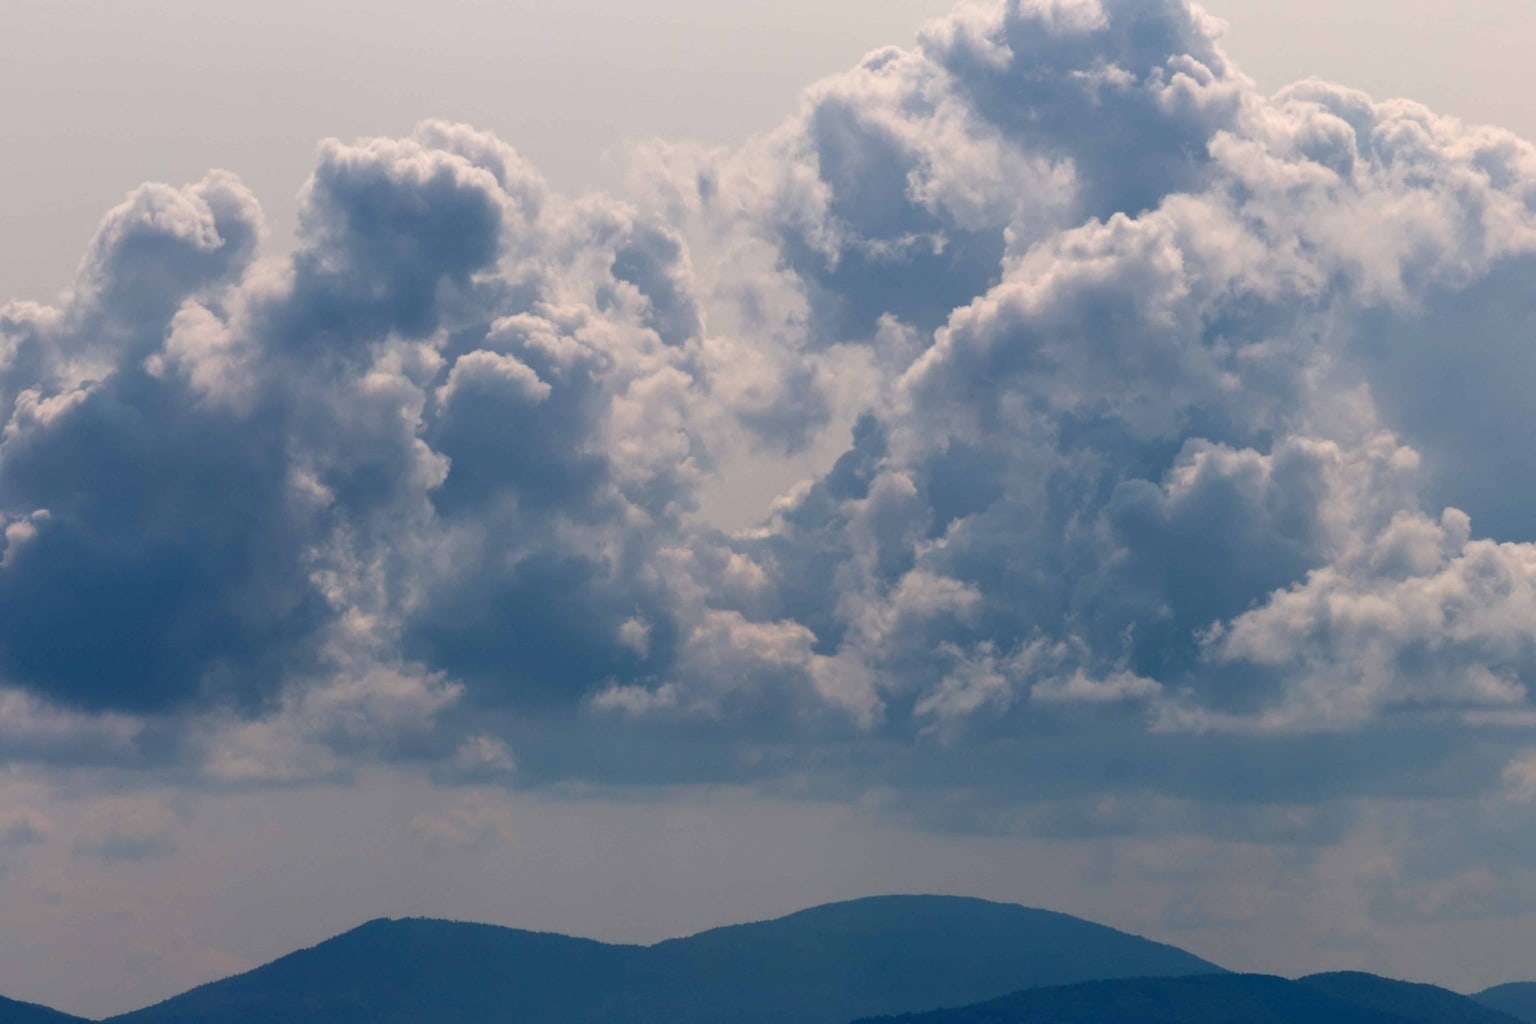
<point>470,822</point>
<point>23,826</point>
<point>32,729</point>
<point>1119,408</point>
<point>128,830</point>
<point>1520,777</point>
<point>1443,623</point>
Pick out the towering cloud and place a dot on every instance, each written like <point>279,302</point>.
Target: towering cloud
<point>1146,424</point>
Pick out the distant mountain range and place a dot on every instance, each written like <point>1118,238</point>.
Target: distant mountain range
<point>827,965</point>
<point>1223,999</point>
<point>870,958</point>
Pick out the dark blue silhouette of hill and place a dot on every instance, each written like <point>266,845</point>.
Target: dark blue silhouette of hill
<point>826,965</point>
<point>1518,999</point>
<point>1222,999</point>
<point>13,1012</point>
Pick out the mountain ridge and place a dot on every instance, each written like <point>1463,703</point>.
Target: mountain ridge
<point>1516,998</point>
<point>912,959</point>
<point>1338,998</point>
<point>14,1011</point>
<point>822,965</point>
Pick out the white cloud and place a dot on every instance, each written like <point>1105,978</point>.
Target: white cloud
<point>1139,367</point>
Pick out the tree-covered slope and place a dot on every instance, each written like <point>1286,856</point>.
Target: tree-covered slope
<point>1518,999</point>
<point>13,1012</point>
<point>1429,1003</point>
<point>1222,999</point>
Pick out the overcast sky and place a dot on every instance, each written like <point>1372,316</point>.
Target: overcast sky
<point>626,468</point>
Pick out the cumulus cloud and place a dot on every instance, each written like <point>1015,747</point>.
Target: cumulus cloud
<point>1131,410</point>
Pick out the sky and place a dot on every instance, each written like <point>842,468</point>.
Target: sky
<point>622,469</point>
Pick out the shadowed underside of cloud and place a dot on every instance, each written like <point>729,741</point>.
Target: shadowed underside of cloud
<point>1177,428</point>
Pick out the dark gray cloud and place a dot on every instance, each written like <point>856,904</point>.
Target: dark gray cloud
<point>1153,434</point>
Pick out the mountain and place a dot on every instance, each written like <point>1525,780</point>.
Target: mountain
<point>900,953</point>
<point>411,970</point>
<point>1517,999</point>
<point>1404,998</point>
<point>1222,999</point>
<point>13,1012</point>
<point>826,965</point>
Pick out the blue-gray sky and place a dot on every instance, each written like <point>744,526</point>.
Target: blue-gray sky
<point>1052,459</point>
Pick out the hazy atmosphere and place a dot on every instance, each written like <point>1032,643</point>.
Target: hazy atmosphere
<point>626,468</point>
